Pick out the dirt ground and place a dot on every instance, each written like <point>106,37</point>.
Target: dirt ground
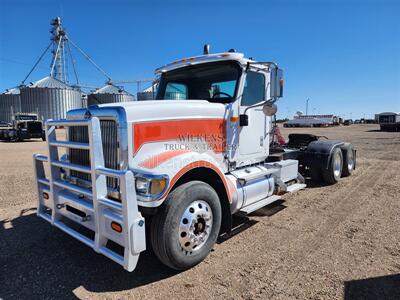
<point>325,242</point>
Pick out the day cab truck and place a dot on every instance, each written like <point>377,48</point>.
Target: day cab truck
<point>389,121</point>
<point>174,171</point>
<point>24,126</point>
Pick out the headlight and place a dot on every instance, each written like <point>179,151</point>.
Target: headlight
<point>151,185</point>
<point>142,185</point>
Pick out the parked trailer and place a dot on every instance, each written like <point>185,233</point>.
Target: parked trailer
<point>185,167</point>
<point>313,121</point>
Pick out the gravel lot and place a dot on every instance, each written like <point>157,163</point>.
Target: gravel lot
<point>325,242</point>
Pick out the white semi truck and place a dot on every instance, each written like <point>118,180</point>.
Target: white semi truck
<point>179,167</point>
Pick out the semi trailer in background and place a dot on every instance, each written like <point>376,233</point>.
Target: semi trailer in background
<point>301,120</point>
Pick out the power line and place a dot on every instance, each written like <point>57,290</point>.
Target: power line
<point>40,58</point>
<point>13,61</point>
<point>89,59</point>
<point>73,64</point>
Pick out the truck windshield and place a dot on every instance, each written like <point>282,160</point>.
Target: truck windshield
<point>215,82</point>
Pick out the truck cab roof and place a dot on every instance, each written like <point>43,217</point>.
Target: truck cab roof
<point>206,58</point>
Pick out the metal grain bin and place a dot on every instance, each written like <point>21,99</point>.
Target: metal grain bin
<point>143,96</point>
<point>109,94</point>
<point>50,97</point>
<point>10,102</point>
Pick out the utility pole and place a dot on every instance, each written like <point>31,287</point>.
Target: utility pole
<point>308,99</point>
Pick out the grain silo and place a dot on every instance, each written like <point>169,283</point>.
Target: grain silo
<point>50,97</point>
<point>143,96</point>
<point>109,94</point>
<point>147,94</point>
<point>10,102</point>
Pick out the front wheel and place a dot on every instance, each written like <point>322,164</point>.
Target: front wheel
<point>186,229</point>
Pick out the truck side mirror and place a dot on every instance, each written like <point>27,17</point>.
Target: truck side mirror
<point>269,109</point>
<point>276,88</point>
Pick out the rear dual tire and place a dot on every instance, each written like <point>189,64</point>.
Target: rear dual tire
<point>349,160</point>
<point>333,173</point>
<point>341,164</point>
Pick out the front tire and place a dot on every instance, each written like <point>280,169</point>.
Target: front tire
<point>186,229</point>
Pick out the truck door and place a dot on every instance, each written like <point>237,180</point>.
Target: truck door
<point>254,138</point>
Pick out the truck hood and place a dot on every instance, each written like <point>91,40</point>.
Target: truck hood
<point>142,111</point>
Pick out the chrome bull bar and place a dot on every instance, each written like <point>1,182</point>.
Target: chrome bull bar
<point>90,208</point>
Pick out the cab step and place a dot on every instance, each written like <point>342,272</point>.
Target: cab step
<point>259,204</point>
<point>295,187</point>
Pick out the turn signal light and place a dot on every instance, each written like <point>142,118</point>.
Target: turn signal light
<point>115,226</point>
<point>158,186</point>
<point>234,119</point>
<point>46,196</point>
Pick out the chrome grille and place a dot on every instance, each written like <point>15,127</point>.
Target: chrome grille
<point>109,137</point>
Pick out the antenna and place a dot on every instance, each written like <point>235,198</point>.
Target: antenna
<point>308,99</point>
<point>206,49</point>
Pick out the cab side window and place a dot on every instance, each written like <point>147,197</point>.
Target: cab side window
<point>254,88</point>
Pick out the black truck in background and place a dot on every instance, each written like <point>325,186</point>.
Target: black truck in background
<point>24,126</point>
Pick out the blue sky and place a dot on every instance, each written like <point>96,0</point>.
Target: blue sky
<point>343,55</point>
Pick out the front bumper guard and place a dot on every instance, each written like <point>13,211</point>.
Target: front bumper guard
<point>95,211</point>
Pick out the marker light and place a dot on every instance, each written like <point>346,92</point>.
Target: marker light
<point>46,196</point>
<point>115,226</point>
<point>157,186</point>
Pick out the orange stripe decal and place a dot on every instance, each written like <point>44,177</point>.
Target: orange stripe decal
<point>198,164</point>
<point>212,131</point>
<point>157,160</point>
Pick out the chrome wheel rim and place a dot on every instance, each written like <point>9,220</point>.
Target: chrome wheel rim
<point>337,165</point>
<point>195,226</point>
